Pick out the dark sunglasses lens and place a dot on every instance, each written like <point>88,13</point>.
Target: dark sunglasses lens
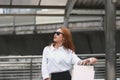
<point>58,33</point>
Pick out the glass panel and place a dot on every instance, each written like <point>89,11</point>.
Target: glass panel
<point>54,2</point>
<point>24,20</point>
<point>25,2</point>
<point>50,11</point>
<point>28,10</point>
<point>48,19</point>
<point>84,18</point>
<point>1,11</point>
<point>6,20</point>
<point>18,10</point>
<point>24,32</point>
<point>6,30</point>
<point>48,28</point>
<point>24,29</point>
<point>4,2</point>
<point>118,22</point>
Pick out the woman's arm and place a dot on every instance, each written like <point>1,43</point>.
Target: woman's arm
<point>91,60</point>
<point>44,68</point>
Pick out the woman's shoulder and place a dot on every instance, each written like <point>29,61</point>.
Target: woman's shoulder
<point>70,51</point>
<point>46,47</point>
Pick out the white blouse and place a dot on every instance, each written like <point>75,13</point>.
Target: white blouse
<point>57,60</point>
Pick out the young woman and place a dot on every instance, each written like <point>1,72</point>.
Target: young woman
<point>59,57</point>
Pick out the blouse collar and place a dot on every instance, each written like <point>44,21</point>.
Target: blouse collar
<point>53,48</point>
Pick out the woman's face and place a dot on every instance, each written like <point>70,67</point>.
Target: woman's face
<point>58,36</point>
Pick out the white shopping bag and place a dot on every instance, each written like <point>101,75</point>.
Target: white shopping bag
<point>82,72</point>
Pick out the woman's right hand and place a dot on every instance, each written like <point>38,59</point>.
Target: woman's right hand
<point>91,60</point>
<point>47,79</point>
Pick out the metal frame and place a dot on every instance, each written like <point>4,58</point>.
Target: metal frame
<point>68,10</point>
<point>110,26</point>
<point>110,39</point>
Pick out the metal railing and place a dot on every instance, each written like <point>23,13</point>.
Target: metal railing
<point>20,68</point>
<point>29,67</point>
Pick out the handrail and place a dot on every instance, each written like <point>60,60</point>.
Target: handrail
<point>96,55</point>
<point>40,56</point>
<point>20,57</point>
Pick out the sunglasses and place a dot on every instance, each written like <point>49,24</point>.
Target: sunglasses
<point>57,33</point>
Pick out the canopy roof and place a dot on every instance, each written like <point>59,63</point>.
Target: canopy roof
<point>78,4</point>
<point>34,14</point>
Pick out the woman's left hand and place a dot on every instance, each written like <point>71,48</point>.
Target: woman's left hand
<point>88,61</point>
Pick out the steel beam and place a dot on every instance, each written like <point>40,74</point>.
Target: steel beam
<point>110,34</point>
<point>68,10</point>
<point>31,14</point>
<point>32,6</point>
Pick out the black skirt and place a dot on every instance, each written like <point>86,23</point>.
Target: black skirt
<point>61,76</point>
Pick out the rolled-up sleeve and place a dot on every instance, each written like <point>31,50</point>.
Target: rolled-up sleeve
<point>44,70</point>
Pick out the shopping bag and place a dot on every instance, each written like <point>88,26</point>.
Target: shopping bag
<point>83,72</point>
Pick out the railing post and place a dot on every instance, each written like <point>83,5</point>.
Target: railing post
<point>30,68</point>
